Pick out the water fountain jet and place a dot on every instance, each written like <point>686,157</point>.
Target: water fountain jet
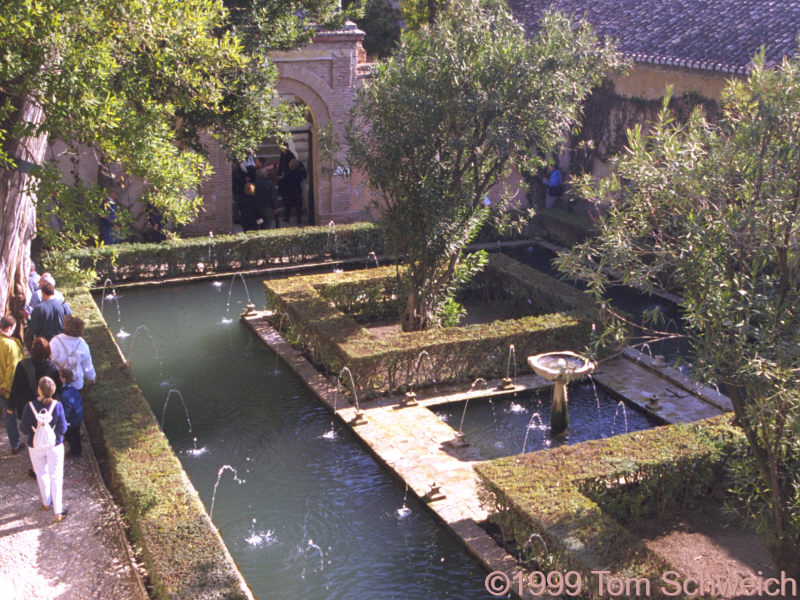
<point>410,397</point>
<point>236,478</point>
<point>460,440</point>
<point>359,418</point>
<point>373,257</point>
<point>508,383</point>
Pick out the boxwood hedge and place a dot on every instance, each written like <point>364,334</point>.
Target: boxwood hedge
<point>319,314</point>
<point>579,498</point>
<point>182,550</point>
<point>229,253</point>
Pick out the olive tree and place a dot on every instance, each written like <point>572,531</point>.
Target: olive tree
<point>442,121</point>
<point>137,82</point>
<point>714,210</point>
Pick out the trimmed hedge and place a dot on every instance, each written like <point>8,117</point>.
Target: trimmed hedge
<point>560,227</point>
<point>310,308</point>
<point>184,555</point>
<point>579,497</point>
<point>228,253</point>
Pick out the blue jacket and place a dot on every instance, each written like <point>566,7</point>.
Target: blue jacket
<point>73,405</point>
<point>59,422</point>
<point>554,180</point>
<point>47,319</point>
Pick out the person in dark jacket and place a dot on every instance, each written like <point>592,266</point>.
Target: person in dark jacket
<point>286,157</point>
<point>73,411</point>
<point>29,371</point>
<point>293,185</point>
<point>266,195</point>
<point>47,319</point>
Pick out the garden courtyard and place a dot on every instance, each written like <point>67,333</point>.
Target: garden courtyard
<point>296,484</point>
<point>546,345</point>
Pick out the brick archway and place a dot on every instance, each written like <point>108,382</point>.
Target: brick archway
<point>314,92</point>
<point>324,76</point>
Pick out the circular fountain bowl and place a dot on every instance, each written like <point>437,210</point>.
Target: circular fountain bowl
<point>563,366</point>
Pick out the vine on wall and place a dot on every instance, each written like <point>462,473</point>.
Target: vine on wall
<point>608,116</point>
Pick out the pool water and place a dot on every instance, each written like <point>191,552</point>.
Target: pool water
<point>676,351</point>
<point>504,426</point>
<point>308,514</point>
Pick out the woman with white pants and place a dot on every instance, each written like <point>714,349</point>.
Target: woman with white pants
<point>47,460</point>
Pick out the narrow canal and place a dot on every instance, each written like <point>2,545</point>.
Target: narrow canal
<point>307,513</point>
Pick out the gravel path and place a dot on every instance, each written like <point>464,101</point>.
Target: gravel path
<point>84,557</point>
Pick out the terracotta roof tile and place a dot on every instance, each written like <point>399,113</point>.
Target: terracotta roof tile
<point>716,35</point>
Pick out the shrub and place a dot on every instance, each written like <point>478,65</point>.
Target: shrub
<point>579,497</point>
<point>228,253</point>
<point>323,313</point>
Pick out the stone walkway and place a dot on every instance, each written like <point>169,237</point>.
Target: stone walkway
<point>418,446</point>
<point>85,557</point>
<point>411,441</point>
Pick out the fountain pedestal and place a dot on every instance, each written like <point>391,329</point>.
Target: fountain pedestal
<point>560,368</point>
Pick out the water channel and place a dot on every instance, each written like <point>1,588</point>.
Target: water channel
<point>505,426</point>
<point>308,514</point>
<point>677,352</point>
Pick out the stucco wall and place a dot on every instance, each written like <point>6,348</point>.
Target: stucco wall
<point>650,82</point>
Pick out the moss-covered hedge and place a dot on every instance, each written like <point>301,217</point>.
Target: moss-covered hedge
<point>309,310</point>
<point>182,550</point>
<point>578,498</point>
<point>227,253</point>
<point>560,227</point>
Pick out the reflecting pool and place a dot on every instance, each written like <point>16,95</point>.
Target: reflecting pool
<point>504,426</point>
<point>308,514</point>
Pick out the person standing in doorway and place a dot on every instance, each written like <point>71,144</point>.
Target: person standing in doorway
<point>285,158</point>
<point>266,195</point>
<point>293,185</point>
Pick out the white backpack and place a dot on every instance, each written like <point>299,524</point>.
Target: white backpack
<point>70,358</point>
<point>43,435</point>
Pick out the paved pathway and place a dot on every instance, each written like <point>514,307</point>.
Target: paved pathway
<point>416,444</point>
<point>85,557</point>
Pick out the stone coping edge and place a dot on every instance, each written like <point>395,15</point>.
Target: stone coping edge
<point>707,394</point>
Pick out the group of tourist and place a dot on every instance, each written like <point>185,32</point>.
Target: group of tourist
<point>40,385</point>
<point>260,189</point>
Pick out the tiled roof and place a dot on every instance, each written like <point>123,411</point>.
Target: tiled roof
<point>715,35</point>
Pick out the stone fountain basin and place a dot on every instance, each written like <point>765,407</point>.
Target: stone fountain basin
<point>564,366</point>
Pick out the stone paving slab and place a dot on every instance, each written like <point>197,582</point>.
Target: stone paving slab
<point>410,441</point>
<point>417,446</point>
<point>85,557</point>
<point>638,382</point>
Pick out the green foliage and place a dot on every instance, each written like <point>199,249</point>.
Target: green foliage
<point>578,498</point>
<point>138,82</point>
<point>166,518</point>
<point>225,253</point>
<point>320,314</point>
<point>751,495</point>
<point>713,210</point>
<point>382,24</point>
<point>445,118</point>
<point>418,13</point>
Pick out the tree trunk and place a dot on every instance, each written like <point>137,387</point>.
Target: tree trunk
<point>766,462</point>
<point>18,215</point>
<point>414,317</point>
